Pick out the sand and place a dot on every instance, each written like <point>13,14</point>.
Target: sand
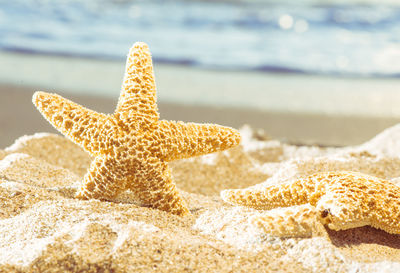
<point>44,229</point>
<point>20,117</point>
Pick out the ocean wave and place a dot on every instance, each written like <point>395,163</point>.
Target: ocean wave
<point>358,38</point>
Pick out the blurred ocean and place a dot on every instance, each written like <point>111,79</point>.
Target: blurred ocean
<point>316,37</point>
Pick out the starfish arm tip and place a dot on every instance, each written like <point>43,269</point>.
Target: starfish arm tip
<point>226,196</point>
<point>140,45</point>
<point>229,138</point>
<point>241,197</point>
<point>236,136</point>
<point>296,221</point>
<point>37,97</point>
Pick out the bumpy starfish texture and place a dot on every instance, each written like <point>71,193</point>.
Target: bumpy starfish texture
<point>340,200</point>
<point>132,147</point>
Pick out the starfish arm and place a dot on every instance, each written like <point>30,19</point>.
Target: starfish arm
<point>153,186</point>
<point>85,127</point>
<point>185,140</point>
<point>296,221</point>
<point>341,212</point>
<point>356,199</point>
<point>137,103</point>
<point>272,196</point>
<point>104,179</point>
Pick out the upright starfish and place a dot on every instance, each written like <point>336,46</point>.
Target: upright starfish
<point>340,200</point>
<point>131,147</point>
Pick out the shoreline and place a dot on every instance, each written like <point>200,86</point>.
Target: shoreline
<point>19,117</point>
<point>300,109</point>
<point>285,93</point>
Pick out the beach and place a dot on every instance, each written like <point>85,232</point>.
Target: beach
<point>266,140</point>
<point>44,227</point>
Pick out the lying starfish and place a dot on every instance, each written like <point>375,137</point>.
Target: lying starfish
<point>131,147</point>
<point>340,200</point>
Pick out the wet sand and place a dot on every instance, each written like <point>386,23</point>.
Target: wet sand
<point>19,117</point>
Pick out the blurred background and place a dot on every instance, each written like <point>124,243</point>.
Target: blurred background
<point>307,72</point>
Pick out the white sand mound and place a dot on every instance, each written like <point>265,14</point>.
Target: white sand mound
<point>44,228</point>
